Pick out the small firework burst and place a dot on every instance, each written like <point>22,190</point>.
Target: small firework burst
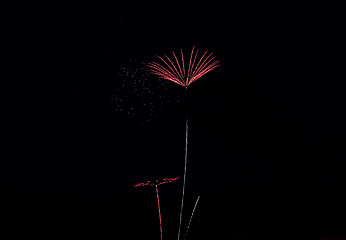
<point>156,184</point>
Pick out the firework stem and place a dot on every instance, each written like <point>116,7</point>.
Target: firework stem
<point>184,179</point>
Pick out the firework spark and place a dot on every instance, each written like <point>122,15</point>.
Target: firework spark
<point>176,72</point>
<point>156,184</point>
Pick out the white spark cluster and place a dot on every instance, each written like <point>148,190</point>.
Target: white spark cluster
<point>139,95</point>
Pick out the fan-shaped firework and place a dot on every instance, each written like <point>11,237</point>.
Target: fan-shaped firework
<point>156,184</point>
<point>184,76</point>
<point>176,72</point>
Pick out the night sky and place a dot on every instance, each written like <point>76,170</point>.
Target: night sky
<point>86,122</point>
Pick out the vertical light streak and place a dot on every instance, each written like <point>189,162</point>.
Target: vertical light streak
<point>184,179</point>
<point>158,205</point>
<point>193,212</point>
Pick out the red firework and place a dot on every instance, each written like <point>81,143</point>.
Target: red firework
<point>184,76</point>
<point>156,184</point>
<point>176,72</point>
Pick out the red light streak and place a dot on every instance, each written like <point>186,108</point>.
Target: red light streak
<point>158,205</point>
<point>156,184</point>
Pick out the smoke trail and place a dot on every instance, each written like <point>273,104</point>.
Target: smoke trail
<point>182,198</point>
<point>158,205</point>
<point>193,212</point>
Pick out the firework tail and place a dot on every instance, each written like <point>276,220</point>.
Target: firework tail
<point>158,206</point>
<point>193,212</point>
<point>184,179</point>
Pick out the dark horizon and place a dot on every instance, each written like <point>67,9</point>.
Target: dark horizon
<point>266,129</point>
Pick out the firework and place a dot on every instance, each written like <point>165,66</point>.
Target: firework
<point>184,76</point>
<point>156,184</point>
<point>176,72</point>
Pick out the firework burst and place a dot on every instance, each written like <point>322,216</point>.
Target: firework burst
<point>175,71</point>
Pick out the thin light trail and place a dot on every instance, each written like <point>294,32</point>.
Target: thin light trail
<point>184,179</point>
<point>193,212</point>
<point>158,205</point>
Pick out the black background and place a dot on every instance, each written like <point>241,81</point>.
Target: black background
<point>267,128</point>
